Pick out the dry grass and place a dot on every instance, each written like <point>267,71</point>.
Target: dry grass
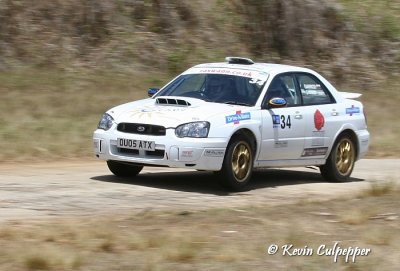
<point>379,188</point>
<point>378,237</point>
<point>381,108</point>
<point>216,239</point>
<point>37,263</point>
<point>355,216</point>
<point>51,114</point>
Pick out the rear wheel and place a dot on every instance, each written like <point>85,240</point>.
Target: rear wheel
<point>121,169</point>
<point>238,164</point>
<point>341,160</point>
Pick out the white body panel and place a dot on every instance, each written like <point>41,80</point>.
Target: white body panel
<point>279,142</point>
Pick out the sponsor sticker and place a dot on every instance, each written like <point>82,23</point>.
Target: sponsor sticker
<point>281,144</point>
<point>319,120</point>
<point>257,77</point>
<point>239,116</point>
<point>245,73</point>
<point>312,86</point>
<point>314,151</point>
<point>161,109</point>
<point>187,154</point>
<point>214,153</point>
<point>352,110</point>
<point>276,121</point>
<point>156,111</point>
<point>318,138</point>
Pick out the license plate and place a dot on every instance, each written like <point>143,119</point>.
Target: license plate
<point>136,144</point>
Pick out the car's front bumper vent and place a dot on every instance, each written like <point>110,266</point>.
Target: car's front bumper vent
<point>142,129</point>
<point>157,154</point>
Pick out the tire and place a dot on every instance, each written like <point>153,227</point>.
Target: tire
<point>237,167</point>
<point>341,160</point>
<point>121,169</point>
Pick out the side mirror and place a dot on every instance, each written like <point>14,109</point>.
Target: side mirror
<point>152,91</point>
<point>276,102</point>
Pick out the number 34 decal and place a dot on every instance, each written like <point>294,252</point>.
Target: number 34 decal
<point>281,121</point>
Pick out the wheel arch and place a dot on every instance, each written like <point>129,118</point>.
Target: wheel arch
<point>353,136</point>
<point>247,133</point>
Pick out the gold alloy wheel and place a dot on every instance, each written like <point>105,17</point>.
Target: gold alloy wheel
<point>345,156</point>
<point>241,161</point>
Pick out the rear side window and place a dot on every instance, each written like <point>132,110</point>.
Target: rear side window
<point>313,91</point>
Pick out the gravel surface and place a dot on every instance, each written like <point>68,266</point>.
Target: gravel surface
<point>81,188</point>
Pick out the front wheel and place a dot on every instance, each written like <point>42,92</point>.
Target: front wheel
<point>340,163</point>
<point>121,169</point>
<point>238,164</point>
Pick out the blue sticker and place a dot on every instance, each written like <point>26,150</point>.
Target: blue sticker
<point>352,110</point>
<point>238,117</point>
<point>276,120</point>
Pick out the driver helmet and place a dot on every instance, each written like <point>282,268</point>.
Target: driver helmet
<point>216,86</point>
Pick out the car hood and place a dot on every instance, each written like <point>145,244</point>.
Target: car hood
<point>170,111</point>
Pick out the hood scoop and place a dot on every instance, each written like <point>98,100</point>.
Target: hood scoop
<point>172,101</point>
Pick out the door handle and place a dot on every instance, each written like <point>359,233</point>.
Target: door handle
<point>334,112</point>
<point>298,116</point>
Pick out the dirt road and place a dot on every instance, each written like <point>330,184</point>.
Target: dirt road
<point>88,188</point>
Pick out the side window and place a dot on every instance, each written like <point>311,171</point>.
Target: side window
<point>293,98</point>
<point>284,86</point>
<point>313,91</point>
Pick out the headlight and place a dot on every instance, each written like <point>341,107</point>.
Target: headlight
<point>193,129</point>
<point>105,122</point>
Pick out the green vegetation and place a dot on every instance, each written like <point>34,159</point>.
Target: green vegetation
<point>64,62</point>
<point>214,239</point>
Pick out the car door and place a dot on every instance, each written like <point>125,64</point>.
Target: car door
<point>321,115</point>
<point>283,128</point>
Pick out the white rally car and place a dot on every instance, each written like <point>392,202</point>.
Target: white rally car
<point>233,117</point>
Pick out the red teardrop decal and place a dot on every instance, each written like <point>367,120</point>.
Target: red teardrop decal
<point>319,120</point>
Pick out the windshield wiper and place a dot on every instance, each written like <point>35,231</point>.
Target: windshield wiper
<point>237,103</point>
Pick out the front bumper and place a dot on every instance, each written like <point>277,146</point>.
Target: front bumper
<point>171,151</point>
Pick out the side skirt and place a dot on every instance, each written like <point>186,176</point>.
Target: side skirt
<point>289,163</point>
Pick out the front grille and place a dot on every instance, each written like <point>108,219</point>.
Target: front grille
<point>156,153</point>
<point>128,151</point>
<point>142,129</point>
<point>148,154</point>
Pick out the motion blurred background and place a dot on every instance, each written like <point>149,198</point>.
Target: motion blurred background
<point>64,62</point>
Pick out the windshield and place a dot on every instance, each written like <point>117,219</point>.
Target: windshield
<point>216,88</point>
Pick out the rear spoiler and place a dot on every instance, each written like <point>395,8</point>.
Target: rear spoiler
<point>350,95</point>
